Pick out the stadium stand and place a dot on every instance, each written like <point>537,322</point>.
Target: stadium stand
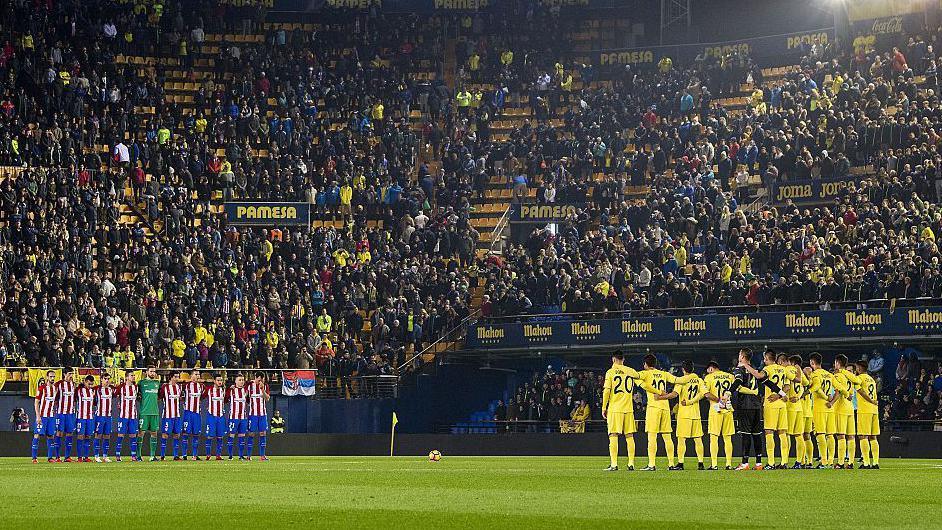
<point>122,144</point>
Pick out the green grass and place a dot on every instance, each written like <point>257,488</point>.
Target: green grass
<point>467,492</point>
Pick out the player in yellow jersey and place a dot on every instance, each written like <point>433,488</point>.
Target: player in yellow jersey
<point>800,427</point>
<point>844,413</point>
<point>868,418</point>
<point>774,409</point>
<point>657,415</point>
<point>794,405</point>
<point>618,409</point>
<point>689,424</point>
<point>823,397</point>
<point>720,419</point>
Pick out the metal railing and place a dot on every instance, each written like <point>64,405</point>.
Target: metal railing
<point>15,380</point>
<point>497,235</point>
<point>452,335</point>
<point>706,310</point>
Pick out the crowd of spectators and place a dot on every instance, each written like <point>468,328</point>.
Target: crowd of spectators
<point>319,116</point>
<point>690,242</point>
<point>918,394</point>
<point>327,116</point>
<point>550,398</point>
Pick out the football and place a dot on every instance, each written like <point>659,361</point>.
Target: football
<point>434,455</point>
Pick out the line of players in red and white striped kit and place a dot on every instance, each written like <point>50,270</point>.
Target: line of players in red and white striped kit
<point>66,410</point>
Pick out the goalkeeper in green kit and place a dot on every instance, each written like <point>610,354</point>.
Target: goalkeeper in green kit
<point>149,411</point>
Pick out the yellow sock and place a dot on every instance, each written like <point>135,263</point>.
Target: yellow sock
<point>799,449</point>
<point>681,449</point>
<point>630,441</point>
<point>728,450</point>
<point>785,447</point>
<point>841,450</point>
<point>823,448</point>
<point>852,449</point>
<point>770,447</point>
<point>613,449</point>
<point>809,450</point>
<point>698,447</point>
<point>875,451</point>
<point>669,446</point>
<point>831,443</point>
<point>865,450</point>
<point>652,448</point>
<point>714,449</point>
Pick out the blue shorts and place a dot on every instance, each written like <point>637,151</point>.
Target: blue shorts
<point>103,425</point>
<point>86,427</point>
<point>47,426</point>
<point>127,426</point>
<point>238,426</point>
<point>258,424</point>
<point>66,423</point>
<point>192,422</point>
<point>215,426</point>
<point>171,426</point>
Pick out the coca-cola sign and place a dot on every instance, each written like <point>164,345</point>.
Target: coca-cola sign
<point>887,25</point>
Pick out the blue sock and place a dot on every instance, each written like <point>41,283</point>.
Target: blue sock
<point>219,447</point>
<point>50,448</point>
<point>35,447</point>
<point>176,447</point>
<point>117,446</point>
<point>97,445</point>
<point>68,446</point>
<point>229,446</point>
<point>134,447</point>
<point>251,446</point>
<point>80,449</point>
<point>56,446</point>
<point>186,445</point>
<point>209,446</point>
<point>262,443</point>
<point>163,447</point>
<point>242,447</point>
<point>107,445</point>
<point>195,446</point>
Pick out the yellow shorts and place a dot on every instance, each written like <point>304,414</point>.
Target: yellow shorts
<point>621,423</point>
<point>808,425</point>
<point>689,428</point>
<point>775,419</point>
<point>796,422</point>
<point>844,424</point>
<point>868,424</point>
<point>721,424</point>
<point>657,420</point>
<point>824,423</point>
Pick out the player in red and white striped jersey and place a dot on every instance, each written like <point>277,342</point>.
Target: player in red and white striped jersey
<point>237,396</point>
<point>193,392</point>
<point>127,395</point>
<point>215,415</point>
<point>65,424</point>
<point>172,423</point>
<point>258,415</point>
<point>85,419</point>
<point>47,397</point>
<point>103,422</point>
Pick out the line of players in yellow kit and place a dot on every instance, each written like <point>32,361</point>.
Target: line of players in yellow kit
<point>796,403</point>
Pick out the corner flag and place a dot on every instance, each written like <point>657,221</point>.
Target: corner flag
<point>392,433</point>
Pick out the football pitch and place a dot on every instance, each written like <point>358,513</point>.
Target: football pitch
<point>467,492</point>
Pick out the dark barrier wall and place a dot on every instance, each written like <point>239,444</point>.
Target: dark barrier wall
<point>892,445</point>
<point>449,396</point>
